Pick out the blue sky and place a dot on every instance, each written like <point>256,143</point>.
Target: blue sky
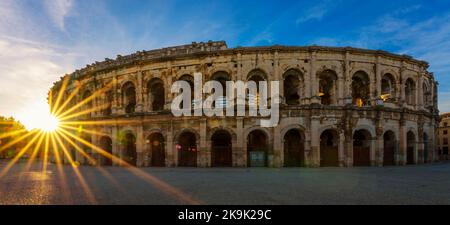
<point>42,40</point>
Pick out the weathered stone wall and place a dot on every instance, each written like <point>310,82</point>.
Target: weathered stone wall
<point>309,116</point>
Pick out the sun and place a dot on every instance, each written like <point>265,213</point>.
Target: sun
<point>39,117</point>
<point>51,123</point>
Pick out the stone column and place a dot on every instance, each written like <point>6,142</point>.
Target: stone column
<point>308,152</point>
<point>401,86</point>
<point>278,144</point>
<point>379,155</point>
<point>419,93</point>
<point>139,102</point>
<point>342,150</point>
<point>374,154</point>
<point>146,99</point>
<point>314,158</point>
<point>204,158</point>
<point>140,146</point>
<point>347,77</point>
<point>115,95</point>
<point>314,83</point>
<point>168,85</point>
<point>401,153</point>
<point>348,150</point>
<point>116,151</point>
<point>239,67</point>
<point>170,148</point>
<point>239,152</point>
<point>341,90</point>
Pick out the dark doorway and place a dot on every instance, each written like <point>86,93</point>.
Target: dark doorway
<point>361,148</point>
<point>389,146</point>
<point>411,141</point>
<point>187,150</point>
<point>157,150</point>
<point>106,145</point>
<point>329,153</point>
<point>294,149</point>
<point>130,149</point>
<point>221,149</point>
<point>257,148</point>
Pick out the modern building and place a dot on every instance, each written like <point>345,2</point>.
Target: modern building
<point>340,107</point>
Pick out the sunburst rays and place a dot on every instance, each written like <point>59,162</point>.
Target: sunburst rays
<point>67,142</point>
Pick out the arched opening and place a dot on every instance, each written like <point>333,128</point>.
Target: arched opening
<point>106,145</point>
<point>190,80</point>
<point>388,88</point>
<point>156,94</point>
<point>129,97</point>
<point>187,149</point>
<point>410,147</point>
<point>222,77</point>
<point>294,148</point>
<point>361,148</point>
<point>221,153</point>
<point>410,92</point>
<point>360,89</point>
<point>389,148</point>
<point>257,148</point>
<point>327,87</point>
<point>156,150</point>
<point>256,76</point>
<point>129,144</point>
<point>425,147</point>
<point>329,150</point>
<point>292,87</point>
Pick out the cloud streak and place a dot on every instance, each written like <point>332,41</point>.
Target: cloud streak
<point>58,10</point>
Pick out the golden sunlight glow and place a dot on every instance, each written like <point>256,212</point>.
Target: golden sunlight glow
<point>55,137</point>
<point>39,117</point>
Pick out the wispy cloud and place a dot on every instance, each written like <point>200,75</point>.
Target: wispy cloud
<point>426,39</point>
<point>58,10</point>
<point>27,72</point>
<point>316,12</point>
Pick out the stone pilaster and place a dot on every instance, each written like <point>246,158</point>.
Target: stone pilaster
<point>239,152</point>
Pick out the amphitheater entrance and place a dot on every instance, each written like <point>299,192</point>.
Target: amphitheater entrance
<point>410,147</point>
<point>106,145</point>
<point>294,148</point>
<point>130,149</point>
<point>257,148</point>
<point>156,150</point>
<point>329,150</point>
<point>361,148</point>
<point>221,153</point>
<point>389,146</point>
<point>187,150</point>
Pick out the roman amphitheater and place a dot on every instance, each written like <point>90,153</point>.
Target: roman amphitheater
<point>340,107</point>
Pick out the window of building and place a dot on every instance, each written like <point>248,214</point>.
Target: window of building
<point>445,131</point>
<point>445,141</point>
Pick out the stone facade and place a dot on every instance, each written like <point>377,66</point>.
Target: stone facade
<point>444,136</point>
<point>340,107</point>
